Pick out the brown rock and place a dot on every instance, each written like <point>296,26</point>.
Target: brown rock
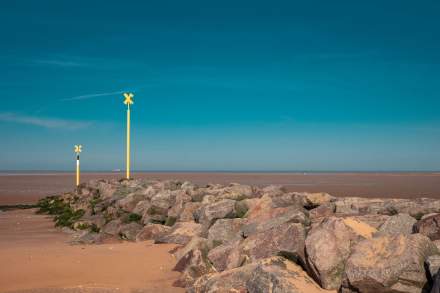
<point>181,233</point>
<point>391,263</point>
<point>187,214</point>
<point>129,231</point>
<point>226,256</point>
<point>328,246</point>
<point>218,210</point>
<point>224,231</point>
<point>280,275</point>
<point>397,224</point>
<point>430,226</point>
<point>287,239</point>
<point>152,232</point>
<point>231,281</point>
<point>192,262</point>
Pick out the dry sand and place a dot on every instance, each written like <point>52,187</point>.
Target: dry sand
<point>16,189</point>
<point>34,257</point>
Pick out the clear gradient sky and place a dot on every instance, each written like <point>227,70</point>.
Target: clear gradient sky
<point>221,85</point>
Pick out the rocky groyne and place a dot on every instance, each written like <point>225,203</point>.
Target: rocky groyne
<point>240,238</point>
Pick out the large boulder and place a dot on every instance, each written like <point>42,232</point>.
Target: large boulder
<point>112,227</point>
<point>187,213</point>
<point>358,205</point>
<point>224,231</point>
<point>129,231</point>
<point>397,224</point>
<point>129,202</point>
<point>280,275</point>
<point>233,281</point>
<point>181,233</point>
<point>219,210</point>
<point>237,191</point>
<point>328,246</point>
<point>160,204</point>
<point>313,200</point>
<point>390,263</point>
<point>286,239</point>
<point>192,262</point>
<point>141,207</point>
<point>152,232</point>
<point>226,256</point>
<point>429,226</point>
<point>263,216</point>
<point>180,199</point>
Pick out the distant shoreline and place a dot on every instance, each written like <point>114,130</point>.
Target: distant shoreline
<point>28,188</point>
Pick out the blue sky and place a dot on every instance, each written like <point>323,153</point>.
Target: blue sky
<point>221,85</point>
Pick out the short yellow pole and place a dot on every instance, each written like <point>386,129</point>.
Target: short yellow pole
<point>77,170</point>
<point>78,150</point>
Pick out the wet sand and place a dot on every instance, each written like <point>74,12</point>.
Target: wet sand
<point>35,257</point>
<point>28,188</point>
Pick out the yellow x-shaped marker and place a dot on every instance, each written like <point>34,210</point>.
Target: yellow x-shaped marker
<point>128,99</point>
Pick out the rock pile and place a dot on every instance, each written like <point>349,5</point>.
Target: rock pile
<point>240,238</point>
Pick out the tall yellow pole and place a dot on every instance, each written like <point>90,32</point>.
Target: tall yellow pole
<point>128,142</point>
<point>128,101</point>
<point>78,150</point>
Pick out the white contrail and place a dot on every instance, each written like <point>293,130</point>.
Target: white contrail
<point>91,96</point>
<point>43,121</point>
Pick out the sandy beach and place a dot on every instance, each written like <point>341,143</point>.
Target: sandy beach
<point>36,258</point>
<point>28,188</point>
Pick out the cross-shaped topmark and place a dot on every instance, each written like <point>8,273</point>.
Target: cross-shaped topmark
<point>128,99</point>
<point>78,149</point>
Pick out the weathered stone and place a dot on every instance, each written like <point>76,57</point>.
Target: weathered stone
<point>106,190</point>
<point>112,227</point>
<point>226,256</point>
<point>416,208</point>
<point>218,210</point>
<point>285,200</point>
<point>231,281</point>
<point>433,265</point>
<point>328,246</point>
<point>192,262</point>
<point>325,210</point>
<point>181,233</point>
<point>237,192</point>
<point>97,221</point>
<point>160,203</point>
<point>397,224</point>
<point>313,200</point>
<point>280,275</point>
<point>181,198</point>
<point>187,214</point>
<point>273,190</point>
<point>141,207</point>
<point>152,232</point>
<point>129,202</point>
<point>224,231</point>
<point>287,239</point>
<point>129,231</point>
<point>263,217</point>
<point>358,205</point>
<point>374,220</point>
<point>430,226</point>
<point>390,263</point>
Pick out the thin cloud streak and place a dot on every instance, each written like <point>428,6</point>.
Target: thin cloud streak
<point>45,122</point>
<point>61,63</point>
<point>91,96</point>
